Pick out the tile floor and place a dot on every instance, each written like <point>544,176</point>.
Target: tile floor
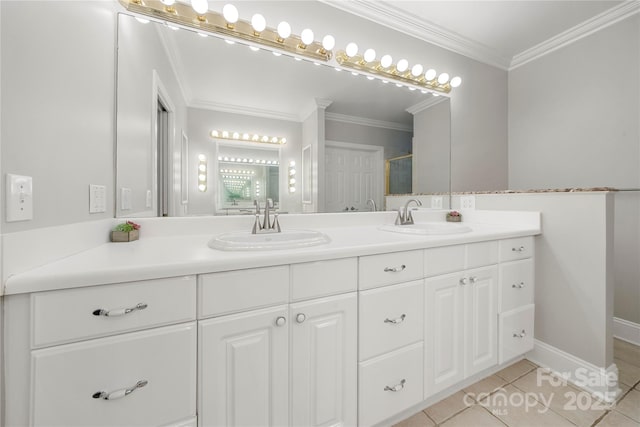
<point>525,395</point>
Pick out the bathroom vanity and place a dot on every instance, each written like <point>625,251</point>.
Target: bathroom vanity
<point>169,332</point>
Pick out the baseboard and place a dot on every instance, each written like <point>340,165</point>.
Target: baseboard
<point>626,331</point>
<point>602,382</point>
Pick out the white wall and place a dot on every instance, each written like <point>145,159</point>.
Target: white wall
<point>57,106</point>
<point>574,121</point>
<point>431,156</point>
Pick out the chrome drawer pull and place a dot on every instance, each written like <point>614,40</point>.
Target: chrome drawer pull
<point>464,281</point>
<point>518,285</point>
<point>473,279</point>
<point>119,393</point>
<point>397,387</point>
<point>396,321</point>
<point>395,269</point>
<point>520,249</point>
<point>119,311</point>
<point>520,335</point>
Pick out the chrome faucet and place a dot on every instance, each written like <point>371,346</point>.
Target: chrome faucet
<point>372,203</point>
<point>267,225</point>
<point>404,214</point>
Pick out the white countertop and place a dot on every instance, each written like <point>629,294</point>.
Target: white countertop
<point>175,255</point>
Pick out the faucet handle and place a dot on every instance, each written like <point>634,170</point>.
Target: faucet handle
<point>257,205</point>
<point>269,203</point>
<point>276,223</point>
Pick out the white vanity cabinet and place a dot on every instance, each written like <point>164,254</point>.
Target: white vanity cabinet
<point>461,311</point>
<point>289,364</point>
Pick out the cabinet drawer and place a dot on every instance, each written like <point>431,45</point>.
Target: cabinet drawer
<point>481,254</point>
<point>389,384</point>
<point>322,278</point>
<point>516,284</point>
<point>386,269</point>
<point>516,332</point>
<point>518,248</point>
<point>75,314</point>
<point>443,260</point>
<point>71,377</point>
<point>233,291</point>
<point>390,318</point>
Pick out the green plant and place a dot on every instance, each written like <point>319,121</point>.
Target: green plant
<point>127,227</point>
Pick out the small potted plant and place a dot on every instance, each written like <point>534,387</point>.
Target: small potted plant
<point>125,232</point>
<point>454,216</point>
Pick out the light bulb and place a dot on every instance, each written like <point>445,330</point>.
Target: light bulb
<point>200,6</point>
<point>230,13</point>
<point>402,66</point>
<point>284,30</point>
<point>245,136</point>
<point>202,157</point>
<point>306,36</point>
<point>292,181</point>
<point>369,55</point>
<point>456,81</point>
<point>416,70</point>
<point>265,139</point>
<point>202,187</point>
<point>258,23</point>
<point>386,61</point>
<point>292,163</point>
<point>236,135</point>
<point>430,74</point>
<point>292,172</point>
<point>202,168</point>
<point>168,2</point>
<point>328,42</point>
<point>202,177</point>
<point>351,50</point>
<point>292,189</point>
<point>283,141</point>
<point>214,133</point>
<point>225,134</point>
<point>443,78</point>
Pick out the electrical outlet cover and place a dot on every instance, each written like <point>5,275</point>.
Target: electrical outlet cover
<point>19,198</point>
<point>467,202</point>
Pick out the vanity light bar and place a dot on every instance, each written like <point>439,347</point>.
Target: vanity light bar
<point>292,176</point>
<point>238,172</point>
<point>202,172</point>
<point>227,159</point>
<point>236,136</point>
<point>209,22</point>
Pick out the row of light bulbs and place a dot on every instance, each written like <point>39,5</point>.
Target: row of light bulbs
<point>241,172</point>
<point>248,161</point>
<point>367,62</point>
<point>202,172</point>
<point>247,137</point>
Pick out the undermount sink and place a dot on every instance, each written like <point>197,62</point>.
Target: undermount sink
<point>286,239</point>
<point>428,228</point>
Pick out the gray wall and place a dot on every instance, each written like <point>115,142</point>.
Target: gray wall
<point>395,142</point>
<point>431,149</point>
<point>574,121</point>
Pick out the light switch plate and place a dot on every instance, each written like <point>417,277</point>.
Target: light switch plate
<point>436,202</point>
<point>97,198</point>
<point>19,198</point>
<point>125,198</point>
<point>467,202</point>
<point>149,198</point>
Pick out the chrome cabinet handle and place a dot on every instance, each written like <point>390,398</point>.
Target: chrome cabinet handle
<point>117,394</point>
<point>396,387</point>
<point>473,279</point>
<point>520,249</point>
<point>397,320</point>
<point>520,335</point>
<point>395,269</point>
<point>300,317</point>
<point>464,281</point>
<point>281,321</point>
<point>119,311</point>
<point>518,285</point>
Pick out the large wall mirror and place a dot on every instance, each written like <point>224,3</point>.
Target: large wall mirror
<point>173,83</point>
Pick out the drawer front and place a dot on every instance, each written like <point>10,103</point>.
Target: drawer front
<point>389,384</point>
<point>443,260</point>
<point>482,254</point>
<point>74,379</point>
<point>386,269</point>
<point>516,284</point>
<point>233,291</point>
<point>322,278</point>
<point>75,314</point>
<point>390,318</point>
<point>518,248</point>
<point>516,332</point>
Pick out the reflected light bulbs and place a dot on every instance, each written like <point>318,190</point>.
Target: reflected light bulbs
<point>456,81</point>
<point>306,36</point>
<point>369,55</point>
<point>230,13</point>
<point>443,78</point>
<point>351,50</point>
<point>284,30</point>
<point>386,61</point>
<point>328,42</point>
<point>200,6</point>
<point>258,23</point>
<point>402,66</point>
<point>416,70</point>
<point>430,74</point>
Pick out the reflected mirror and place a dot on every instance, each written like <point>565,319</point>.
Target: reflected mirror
<point>398,175</point>
<point>176,85</point>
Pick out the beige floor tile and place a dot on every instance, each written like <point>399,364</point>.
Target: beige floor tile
<point>578,406</point>
<point>448,407</point>
<point>630,405</point>
<point>518,409</point>
<point>516,370</point>
<point>626,351</point>
<point>418,420</point>
<point>475,416</point>
<point>485,387</point>
<point>616,419</point>
<point>627,373</point>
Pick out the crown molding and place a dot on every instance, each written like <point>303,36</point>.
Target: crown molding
<point>239,109</point>
<point>398,20</point>
<point>580,31</point>
<point>336,117</point>
<point>428,103</point>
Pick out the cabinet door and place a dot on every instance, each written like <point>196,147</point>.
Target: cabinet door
<point>444,334</point>
<point>324,361</point>
<point>481,315</point>
<point>244,369</point>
